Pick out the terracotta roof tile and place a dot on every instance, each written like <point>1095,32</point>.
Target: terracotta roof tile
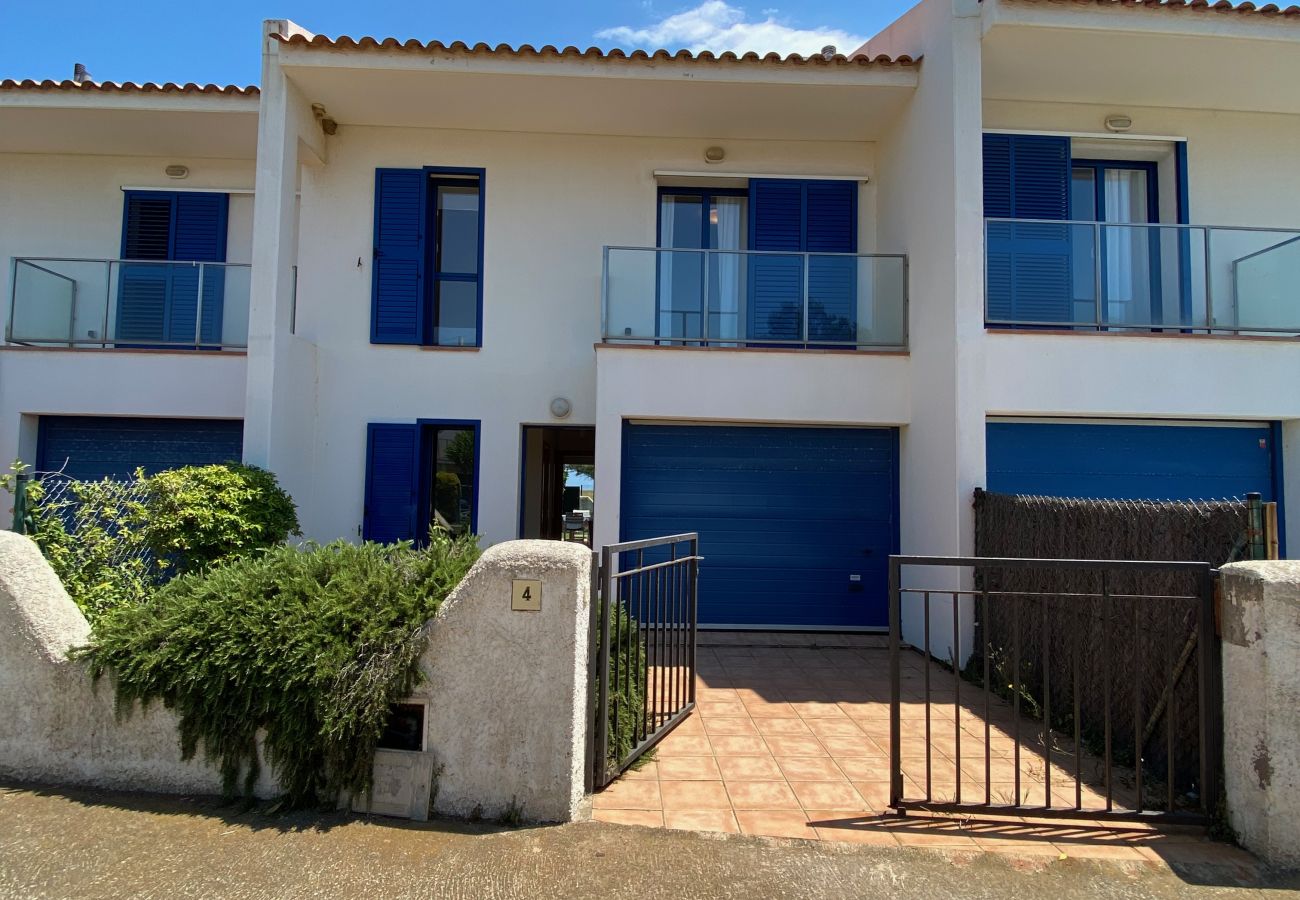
<point>1218,6</point>
<point>549,51</point>
<point>27,84</point>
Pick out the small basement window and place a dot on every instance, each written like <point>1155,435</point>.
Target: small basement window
<point>405,728</point>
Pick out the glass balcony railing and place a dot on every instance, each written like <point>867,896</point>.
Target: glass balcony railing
<point>732,298</point>
<point>1099,276</point>
<point>128,304</point>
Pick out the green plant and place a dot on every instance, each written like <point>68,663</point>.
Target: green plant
<point>198,515</point>
<point>626,700</point>
<point>91,534</point>
<point>308,646</point>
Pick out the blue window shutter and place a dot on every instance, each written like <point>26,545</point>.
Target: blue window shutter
<point>200,226</point>
<point>1028,264</point>
<point>397,293</point>
<point>832,227</point>
<point>392,482</point>
<point>159,303</point>
<point>803,216</point>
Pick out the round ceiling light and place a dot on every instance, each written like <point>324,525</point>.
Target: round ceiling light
<point>561,407</point>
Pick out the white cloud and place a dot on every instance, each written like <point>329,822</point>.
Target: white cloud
<point>717,26</point>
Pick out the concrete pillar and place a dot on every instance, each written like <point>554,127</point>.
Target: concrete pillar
<point>1260,620</point>
<point>279,415</point>
<point>929,198</point>
<point>507,687</point>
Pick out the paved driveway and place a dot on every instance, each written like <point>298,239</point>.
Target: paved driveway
<point>790,739</point>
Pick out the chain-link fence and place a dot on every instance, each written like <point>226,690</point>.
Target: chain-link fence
<point>90,531</point>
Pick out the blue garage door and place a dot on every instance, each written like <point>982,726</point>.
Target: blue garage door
<point>92,447</point>
<point>787,517</point>
<point>1131,461</point>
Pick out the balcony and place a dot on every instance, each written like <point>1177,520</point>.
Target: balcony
<point>731,299</point>
<point>1098,276</point>
<point>128,304</point>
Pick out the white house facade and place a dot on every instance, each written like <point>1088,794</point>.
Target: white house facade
<point>803,306</point>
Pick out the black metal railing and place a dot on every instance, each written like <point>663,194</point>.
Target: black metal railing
<point>642,669</point>
<point>1051,690</point>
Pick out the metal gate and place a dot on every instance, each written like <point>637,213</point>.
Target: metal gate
<point>1054,696</point>
<point>642,664</point>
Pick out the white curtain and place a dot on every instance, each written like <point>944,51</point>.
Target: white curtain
<point>1128,283</point>
<point>667,221</point>
<point>730,213</point>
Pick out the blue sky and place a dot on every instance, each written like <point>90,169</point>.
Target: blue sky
<point>217,42</point>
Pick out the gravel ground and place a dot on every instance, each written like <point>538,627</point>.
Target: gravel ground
<point>74,843</point>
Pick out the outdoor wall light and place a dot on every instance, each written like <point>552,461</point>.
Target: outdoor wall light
<point>714,154</point>
<point>1118,123</point>
<point>177,171</point>
<point>561,407</point>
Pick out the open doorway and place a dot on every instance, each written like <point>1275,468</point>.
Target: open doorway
<point>558,493</point>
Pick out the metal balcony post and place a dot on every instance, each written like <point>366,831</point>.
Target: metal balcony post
<point>1096,275</point>
<point>1209,285</point>
<point>13,297</point>
<point>704,300</point>
<point>604,293</point>
<point>198,310</point>
<point>806,258</point>
<point>108,299</point>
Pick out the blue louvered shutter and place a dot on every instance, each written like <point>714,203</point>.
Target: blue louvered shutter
<point>776,215</point>
<point>832,227</point>
<point>392,482</point>
<point>1027,264</point>
<point>199,235</point>
<point>397,292</point>
<point>143,289</point>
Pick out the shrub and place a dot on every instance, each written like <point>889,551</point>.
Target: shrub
<point>91,534</point>
<point>198,515</point>
<point>111,542</point>
<point>310,645</point>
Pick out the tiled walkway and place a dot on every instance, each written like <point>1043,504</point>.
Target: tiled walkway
<point>792,741</point>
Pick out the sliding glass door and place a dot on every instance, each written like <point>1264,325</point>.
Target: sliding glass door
<point>1122,196</point>
<point>701,295</point>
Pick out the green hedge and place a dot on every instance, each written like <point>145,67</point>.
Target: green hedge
<point>310,645</point>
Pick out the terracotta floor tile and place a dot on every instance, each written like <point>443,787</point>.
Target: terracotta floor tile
<point>683,745</point>
<point>809,768</point>
<point>761,795</point>
<point>853,828</point>
<point>784,745</point>
<point>828,795</point>
<point>688,768</point>
<point>765,709</point>
<point>819,710</point>
<point>748,768</point>
<point>624,794</point>
<point>840,745</point>
<point>775,823</point>
<point>778,727</point>
<point>738,745</point>
<point>842,727</point>
<point>864,768</point>
<point>702,820</point>
<point>730,725</point>
<point>649,817</point>
<point>694,795</point>
<point>647,771</point>
<point>874,793</point>
<point>720,708</point>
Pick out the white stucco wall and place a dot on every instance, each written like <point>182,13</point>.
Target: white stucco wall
<point>37,382</point>
<point>551,202</point>
<point>71,206</point>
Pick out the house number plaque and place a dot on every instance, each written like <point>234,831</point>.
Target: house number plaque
<point>526,595</point>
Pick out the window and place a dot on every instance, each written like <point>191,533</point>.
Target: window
<point>159,304</point>
<point>420,475</point>
<point>428,257</point>
<point>691,220</point>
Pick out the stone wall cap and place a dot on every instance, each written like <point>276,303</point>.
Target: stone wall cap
<point>534,554</point>
<point>1283,571</point>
